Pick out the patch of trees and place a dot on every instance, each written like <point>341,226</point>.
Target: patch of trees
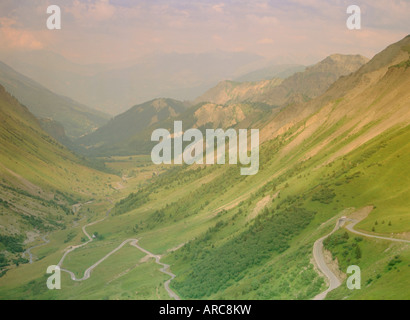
<point>44,202</point>
<point>134,200</point>
<point>3,261</point>
<point>4,203</point>
<point>324,195</point>
<point>346,249</point>
<point>214,269</point>
<point>393,263</point>
<point>12,244</point>
<point>70,236</point>
<point>66,197</point>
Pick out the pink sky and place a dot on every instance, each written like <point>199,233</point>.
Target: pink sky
<point>122,30</point>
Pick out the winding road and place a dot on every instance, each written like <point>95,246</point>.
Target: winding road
<point>28,251</point>
<point>133,242</point>
<point>165,268</point>
<point>90,239</point>
<point>334,282</point>
<point>353,224</point>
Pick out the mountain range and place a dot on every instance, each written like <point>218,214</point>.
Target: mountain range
<point>229,104</point>
<point>299,87</point>
<point>114,88</point>
<point>334,147</point>
<point>281,71</point>
<point>40,178</point>
<point>76,118</point>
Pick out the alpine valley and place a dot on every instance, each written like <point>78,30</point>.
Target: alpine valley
<point>80,191</point>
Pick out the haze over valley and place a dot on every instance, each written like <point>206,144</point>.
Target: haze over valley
<point>79,189</point>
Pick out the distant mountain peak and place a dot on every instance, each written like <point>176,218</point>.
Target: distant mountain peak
<point>310,83</point>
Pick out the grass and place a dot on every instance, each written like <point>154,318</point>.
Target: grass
<point>208,207</point>
<point>264,280</point>
<point>382,278</point>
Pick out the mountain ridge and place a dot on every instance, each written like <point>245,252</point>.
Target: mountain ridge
<point>43,103</point>
<point>313,81</point>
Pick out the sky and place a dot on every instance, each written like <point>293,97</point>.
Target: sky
<point>109,31</point>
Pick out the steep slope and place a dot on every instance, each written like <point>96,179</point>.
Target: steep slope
<point>76,118</point>
<point>40,179</point>
<point>56,130</point>
<point>229,104</point>
<point>299,87</point>
<point>228,236</point>
<point>120,129</point>
<point>354,93</point>
<point>349,149</point>
<point>123,137</point>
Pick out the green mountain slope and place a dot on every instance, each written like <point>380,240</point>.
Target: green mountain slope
<point>351,152</point>
<point>122,137</point>
<point>252,237</point>
<point>40,179</point>
<point>76,118</point>
<point>110,138</point>
<point>229,104</point>
<point>228,236</point>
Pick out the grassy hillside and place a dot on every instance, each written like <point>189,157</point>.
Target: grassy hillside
<point>202,116</point>
<point>134,121</point>
<point>228,236</point>
<point>76,118</point>
<point>40,179</point>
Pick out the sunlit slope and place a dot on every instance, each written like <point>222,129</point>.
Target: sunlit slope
<point>228,236</point>
<point>299,87</point>
<point>29,152</point>
<point>40,179</point>
<point>230,91</point>
<point>349,153</point>
<point>353,169</point>
<point>252,237</point>
<point>130,133</point>
<point>229,104</point>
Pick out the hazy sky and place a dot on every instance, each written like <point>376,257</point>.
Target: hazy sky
<point>120,30</point>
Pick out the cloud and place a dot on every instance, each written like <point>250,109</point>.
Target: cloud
<point>262,20</point>
<point>14,38</point>
<point>219,7</point>
<point>105,30</point>
<point>91,12</point>
<point>266,41</point>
